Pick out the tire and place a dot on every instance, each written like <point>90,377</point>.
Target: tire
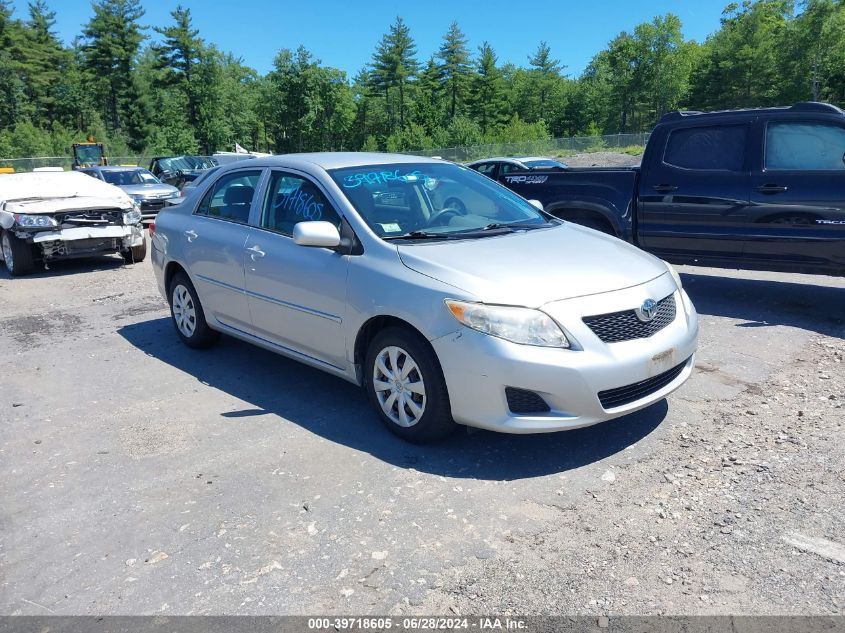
<point>135,254</point>
<point>17,255</point>
<point>418,414</point>
<point>188,315</point>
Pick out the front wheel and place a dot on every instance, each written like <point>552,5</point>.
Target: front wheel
<point>406,386</point>
<point>135,254</point>
<point>188,315</point>
<point>17,255</point>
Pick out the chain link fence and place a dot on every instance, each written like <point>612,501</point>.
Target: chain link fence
<point>66,162</point>
<point>549,147</point>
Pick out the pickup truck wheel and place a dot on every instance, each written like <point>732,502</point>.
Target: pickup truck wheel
<point>406,386</point>
<point>188,315</point>
<point>135,254</point>
<point>17,255</point>
<point>597,225</point>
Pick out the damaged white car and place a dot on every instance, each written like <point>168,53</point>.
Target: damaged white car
<point>50,216</point>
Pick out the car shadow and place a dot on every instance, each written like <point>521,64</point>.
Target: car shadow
<point>764,303</point>
<point>64,267</point>
<point>274,384</point>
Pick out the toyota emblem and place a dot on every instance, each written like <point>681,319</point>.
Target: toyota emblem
<point>647,311</point>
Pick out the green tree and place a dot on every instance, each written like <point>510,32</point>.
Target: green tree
<point>113,38</point>
<point>742,63</point>
<point>455,67</point>
<point>394,65</point>
<point>489,103</point>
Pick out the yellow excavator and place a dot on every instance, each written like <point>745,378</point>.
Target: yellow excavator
<point>90,154</point>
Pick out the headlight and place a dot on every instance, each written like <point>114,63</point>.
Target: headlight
<point>138,197</point>
<point>675,275</point>
<point>518,325</point>
<point>132,217</point>
<point>35,221</point>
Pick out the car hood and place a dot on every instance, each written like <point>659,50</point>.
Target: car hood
<point>150,189</point>
<point>50,192</point>
<point>532,268</point>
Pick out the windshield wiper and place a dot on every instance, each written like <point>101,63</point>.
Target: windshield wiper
<point>514,226</point>
<point>420,235</point>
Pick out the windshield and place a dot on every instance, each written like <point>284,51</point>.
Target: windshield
<point>545,163</point>
<point>88,154</point>
<point>443,199</point>
<point>129,177</point>
<point>186,163</point>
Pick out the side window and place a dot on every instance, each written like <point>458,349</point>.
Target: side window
<point>486,168</point>
<point>720,147</point>
<point>805,146</point>
<point>230,197</point>
<point>292,199</point>
<point>509,167</point>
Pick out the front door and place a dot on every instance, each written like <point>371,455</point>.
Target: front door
<point>297,294</point>
<point>213,243</point>
<point>694,199</point>
<point>798,195</point>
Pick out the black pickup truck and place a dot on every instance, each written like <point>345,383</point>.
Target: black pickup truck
<point>758,189</point>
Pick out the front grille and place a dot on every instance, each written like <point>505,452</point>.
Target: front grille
<point>152,204</point>
<point>612,398</point>
<point>524,401</point>
<point>91,245</point>
<point>625,326</point>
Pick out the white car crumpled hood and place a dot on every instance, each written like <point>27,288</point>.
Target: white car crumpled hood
<point>54,205</point>
<point>536,267</point>
<point>50,192</point>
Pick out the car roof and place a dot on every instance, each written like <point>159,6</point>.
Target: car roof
<point>798,108</point>
<point>333,160</point>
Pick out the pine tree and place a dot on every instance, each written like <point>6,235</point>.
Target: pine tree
<point>179,54</point>
<point>113,37</point>
<point>489,104</point>
<point>454,66</point>
<point>394,64</point>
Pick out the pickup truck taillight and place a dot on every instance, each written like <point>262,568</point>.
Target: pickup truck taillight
<point>152,228</point>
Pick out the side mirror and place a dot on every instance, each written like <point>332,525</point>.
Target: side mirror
<point>536,204</point>
<point>316,233</point>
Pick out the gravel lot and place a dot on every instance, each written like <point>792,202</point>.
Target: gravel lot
<point>139,477</point>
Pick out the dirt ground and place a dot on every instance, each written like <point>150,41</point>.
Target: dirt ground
<point>140,477</point>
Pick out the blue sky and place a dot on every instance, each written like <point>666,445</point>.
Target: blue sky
<point>344,34</point>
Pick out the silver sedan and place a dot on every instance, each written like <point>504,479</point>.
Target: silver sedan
<point>496,315</point>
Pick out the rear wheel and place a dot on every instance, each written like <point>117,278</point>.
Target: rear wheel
<point>17,255</point>
<point>135,254</point>
<point>406,386</point>
<point>188,315</point>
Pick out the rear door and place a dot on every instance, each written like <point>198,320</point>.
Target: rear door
<point>213,244</point>
<point>798,194</point>
<point>694,197</point>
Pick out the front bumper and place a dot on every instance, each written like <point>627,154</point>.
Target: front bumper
<point>478,368</point>
<point>82,241</point>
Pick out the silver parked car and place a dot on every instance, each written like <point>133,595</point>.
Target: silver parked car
<point>145,189</point>
<point>497,316</point>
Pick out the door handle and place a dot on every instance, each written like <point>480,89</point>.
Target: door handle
<point>255,252</point>
<point>772,188</point>
<point>191,235</point>
<point>664,188</point>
